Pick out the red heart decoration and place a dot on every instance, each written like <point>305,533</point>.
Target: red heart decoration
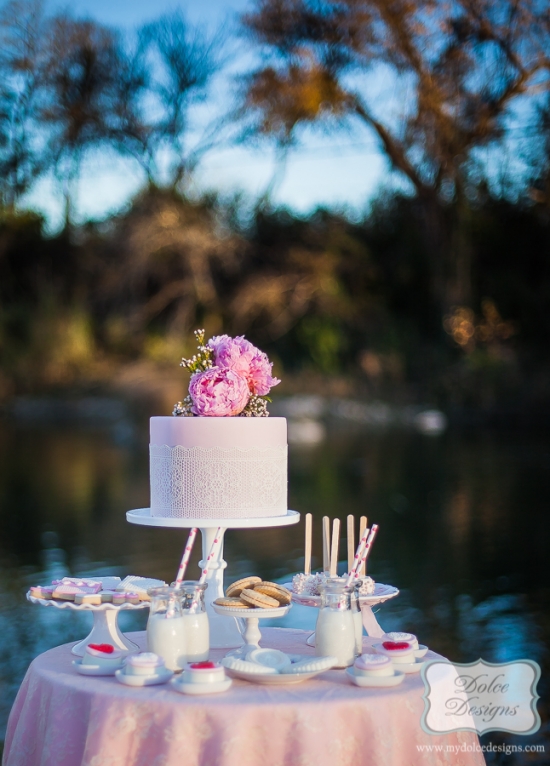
<point>105,648</point>
<point>206,664</point>
<point>396,645</point>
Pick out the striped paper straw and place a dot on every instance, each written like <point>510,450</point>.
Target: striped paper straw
<point>368,546</point>
<point>204,574</point>
<point>357,560</point>
<point>185,558</point>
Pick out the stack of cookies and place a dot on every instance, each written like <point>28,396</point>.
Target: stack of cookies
<point>254,593</point>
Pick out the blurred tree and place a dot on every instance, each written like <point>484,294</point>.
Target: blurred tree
<point>22,64</point>
<point>81,93</point>
<point>162,80</point>
<point>456,72</point>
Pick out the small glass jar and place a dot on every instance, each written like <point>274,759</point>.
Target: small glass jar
<point>335,629</point>
<point>177,628</point>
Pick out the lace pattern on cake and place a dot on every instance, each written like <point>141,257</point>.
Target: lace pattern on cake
<point>218,482</point>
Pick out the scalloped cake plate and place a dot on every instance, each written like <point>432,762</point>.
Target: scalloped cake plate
<point>381,593</point>
<point>85,607</point>
<point>375,681</point>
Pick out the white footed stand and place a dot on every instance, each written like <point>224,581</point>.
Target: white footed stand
<point>251,631</point>
<point>224,630</point>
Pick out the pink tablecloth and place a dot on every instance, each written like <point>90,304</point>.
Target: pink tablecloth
<point>63,719</point>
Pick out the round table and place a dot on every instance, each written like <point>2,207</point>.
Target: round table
<point>60,718</point>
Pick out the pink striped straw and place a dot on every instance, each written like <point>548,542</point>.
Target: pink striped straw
<point>185,558</point>
<point>368,546</point>
<point>213,551</point>
<point>357,560</point>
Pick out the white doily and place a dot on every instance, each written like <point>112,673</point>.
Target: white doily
<point>218,482</point>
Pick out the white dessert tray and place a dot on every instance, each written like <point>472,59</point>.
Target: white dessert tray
<point>275,679</point>
<point>137,681</point>
<point>196,689</point>
<point>251,618</point>
<point>105,629</point>
<point>143,516</point>
<point>381,593</point>
<point>375,681</point>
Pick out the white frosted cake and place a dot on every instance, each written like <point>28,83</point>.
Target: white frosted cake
<point>218,467</point>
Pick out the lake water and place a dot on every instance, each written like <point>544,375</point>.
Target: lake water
<point>464,534</point>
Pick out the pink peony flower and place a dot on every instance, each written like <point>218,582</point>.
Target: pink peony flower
<point>218,392</point>
<point>239,355</point>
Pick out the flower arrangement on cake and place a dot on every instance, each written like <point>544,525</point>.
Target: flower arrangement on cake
<point>229,377</point>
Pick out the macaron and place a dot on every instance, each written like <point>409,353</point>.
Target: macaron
<point>207,672</point>
<point>144,664</point>
<point>399,636</point>
<point>398,651</point>
<point>373,665</point>
<point>258,600</point>
<point>236,588</point>
<point>278,592</point>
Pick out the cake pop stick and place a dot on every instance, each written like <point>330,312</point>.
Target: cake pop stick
<point>307,552</point>
<point>351,542</point>
<point>326,543</point>
<point>335,546</point>
<point>185,557</point>
<point>362,527</point>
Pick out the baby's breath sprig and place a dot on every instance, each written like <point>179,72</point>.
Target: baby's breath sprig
<point>256,407</point>
<point>203,359</point>
<point>183,409</point>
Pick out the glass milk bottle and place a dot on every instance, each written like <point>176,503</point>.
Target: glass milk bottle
<point>335,633</point>
<point>177,628</point>
<point>197,632</point>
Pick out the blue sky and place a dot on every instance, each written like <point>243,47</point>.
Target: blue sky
<point>337,170</point>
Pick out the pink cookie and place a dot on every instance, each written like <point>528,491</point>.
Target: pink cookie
<point>41,591</point>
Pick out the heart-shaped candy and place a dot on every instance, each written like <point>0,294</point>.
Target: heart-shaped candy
<point>105,648</point>
<point>395,645</point>
<point>207,665</point>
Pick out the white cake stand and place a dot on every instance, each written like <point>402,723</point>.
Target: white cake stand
<point>224,633</point>
<point>105,629</point>
<point>251,617</point>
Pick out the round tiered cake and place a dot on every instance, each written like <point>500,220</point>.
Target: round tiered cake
<point>218,467</point>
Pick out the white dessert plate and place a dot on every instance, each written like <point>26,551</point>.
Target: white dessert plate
<point>406,667</point>
<point>184,688</point>
<point>421,651</point>
<point>375,681</point>
<point>381,593</point>
<point>277,679</point>
<point>93,670</point>
<point>131,680</point>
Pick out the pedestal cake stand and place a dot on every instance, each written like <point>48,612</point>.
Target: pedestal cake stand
<point>224,631</point>
<point>105,629</point>
<point>251,631</point>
